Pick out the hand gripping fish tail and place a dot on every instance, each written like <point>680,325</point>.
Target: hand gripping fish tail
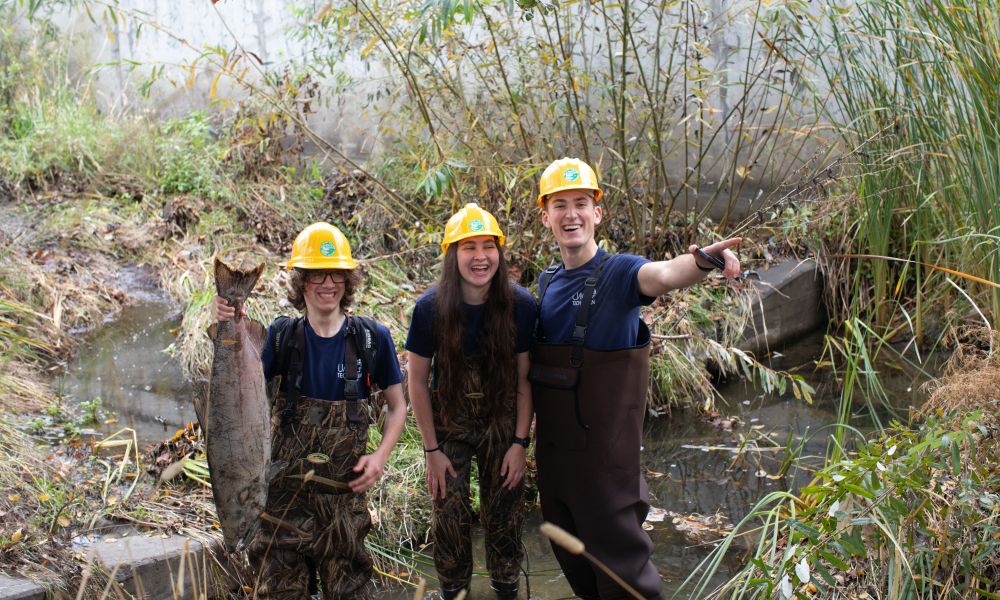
<point>237,415</point>
<point>235,285</point>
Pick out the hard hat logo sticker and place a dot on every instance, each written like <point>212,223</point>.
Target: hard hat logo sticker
<point>327,249</point>
<point>571,174</point>
<point>476,225</point>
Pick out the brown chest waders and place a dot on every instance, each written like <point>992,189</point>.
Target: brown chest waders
<point>311,514</point>
<point>589,408</point>
<point>470,431</point>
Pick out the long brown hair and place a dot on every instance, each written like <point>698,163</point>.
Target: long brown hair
<point>497,338</point>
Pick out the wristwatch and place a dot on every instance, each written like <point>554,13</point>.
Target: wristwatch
<point>520,441</point>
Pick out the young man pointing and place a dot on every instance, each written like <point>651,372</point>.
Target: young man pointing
<point>589,374</point>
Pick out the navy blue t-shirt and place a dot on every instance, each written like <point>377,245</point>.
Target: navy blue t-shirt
<point>614,315</point>
<point>323,363</point>
<point>420,338</point>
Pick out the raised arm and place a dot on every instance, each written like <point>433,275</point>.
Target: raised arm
<point>658,278</point>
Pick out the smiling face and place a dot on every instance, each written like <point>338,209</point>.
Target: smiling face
<point>323,290</point>
<point>572,215</point>
<point>478,259</point>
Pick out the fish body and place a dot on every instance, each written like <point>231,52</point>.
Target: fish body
<point>237,415</point>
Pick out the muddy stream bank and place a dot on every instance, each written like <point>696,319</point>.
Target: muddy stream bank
<point>698,481</point>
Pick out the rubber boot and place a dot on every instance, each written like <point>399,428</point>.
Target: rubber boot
<point>505,590</point>
<point>450,593</point>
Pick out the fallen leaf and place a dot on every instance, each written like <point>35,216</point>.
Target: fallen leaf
<point>786,588</point>
<point>802,571</point>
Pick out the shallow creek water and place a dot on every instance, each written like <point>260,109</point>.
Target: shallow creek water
<point>690,465</point>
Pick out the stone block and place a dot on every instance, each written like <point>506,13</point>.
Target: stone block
<point>19,588</point>
<point>790,305</point>
<point>159,568</point>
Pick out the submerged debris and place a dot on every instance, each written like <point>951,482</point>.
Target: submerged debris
<point>696,529</point>
<point>185,442</point>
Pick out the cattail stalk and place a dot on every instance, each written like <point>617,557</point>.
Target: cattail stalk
<point>574,545</point>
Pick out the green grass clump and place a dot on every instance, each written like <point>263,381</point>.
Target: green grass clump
<point>190,159</point>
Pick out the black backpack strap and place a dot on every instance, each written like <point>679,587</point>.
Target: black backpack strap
<point>359,355</point>
<point>365,332</point>
<point>543,284</point>
<point>352,389</point>
<point>583,313</point>
<point>290,343</point>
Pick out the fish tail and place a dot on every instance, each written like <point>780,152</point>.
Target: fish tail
<point>235,285</point>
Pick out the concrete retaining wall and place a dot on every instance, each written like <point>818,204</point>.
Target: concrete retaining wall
<point>790,305</point>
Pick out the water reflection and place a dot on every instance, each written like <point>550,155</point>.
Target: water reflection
<point>124,363</point>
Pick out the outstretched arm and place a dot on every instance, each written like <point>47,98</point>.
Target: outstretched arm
<point>658,278</point>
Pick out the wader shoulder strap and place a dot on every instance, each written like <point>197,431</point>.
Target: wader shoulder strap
<point>583,313</point>
<point>545,279</point>
<point>543,284</point>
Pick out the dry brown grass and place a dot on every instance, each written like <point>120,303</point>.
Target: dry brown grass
<point>972,383</point>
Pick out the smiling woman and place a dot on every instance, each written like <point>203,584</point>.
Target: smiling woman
<point>472,318</point>
<point>478,258</point>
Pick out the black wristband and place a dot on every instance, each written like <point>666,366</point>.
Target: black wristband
<point>434,449</point>
<point>520,441</point>
<point>717,263</point>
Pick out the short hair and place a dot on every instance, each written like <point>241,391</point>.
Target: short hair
<point>297,287</point>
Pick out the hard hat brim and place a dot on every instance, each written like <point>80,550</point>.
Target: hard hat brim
<point>500,238</point>
<point>306,263</point>
<point>598,194</point>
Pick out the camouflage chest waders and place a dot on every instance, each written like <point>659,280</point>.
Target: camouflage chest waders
<point>589,408</point>
<point>316,518</point>
<point>471,431</point>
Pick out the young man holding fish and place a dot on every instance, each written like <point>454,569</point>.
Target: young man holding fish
<point>322,368</point>
<point>589,374</point>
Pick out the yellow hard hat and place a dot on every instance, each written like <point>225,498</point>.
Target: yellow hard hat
<point>567,174</point>
<point>468,222</point>
<point>321,246</point>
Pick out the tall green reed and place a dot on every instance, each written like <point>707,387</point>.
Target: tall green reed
<point>921,81</point>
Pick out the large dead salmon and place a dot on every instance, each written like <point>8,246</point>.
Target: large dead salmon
<point>238,425</point>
